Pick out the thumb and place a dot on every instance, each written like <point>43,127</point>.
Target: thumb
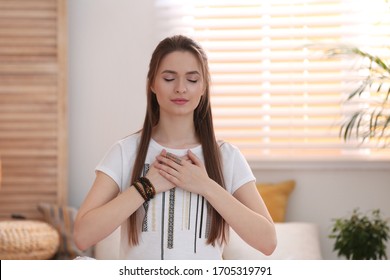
<point>194,158</point>
<point>163,152</point>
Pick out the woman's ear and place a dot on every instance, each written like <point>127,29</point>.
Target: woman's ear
<point>152,88</point>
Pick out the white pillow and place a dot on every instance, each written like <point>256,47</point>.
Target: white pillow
<point>299,241</point>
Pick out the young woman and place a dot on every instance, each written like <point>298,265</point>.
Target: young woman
<point>171,187</point>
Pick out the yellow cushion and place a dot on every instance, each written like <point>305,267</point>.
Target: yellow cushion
<point>275,196</point>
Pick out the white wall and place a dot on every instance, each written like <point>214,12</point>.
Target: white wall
<point>110,43</point>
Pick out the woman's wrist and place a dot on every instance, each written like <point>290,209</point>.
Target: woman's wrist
<point>210,189</point>
<point>145,188</point>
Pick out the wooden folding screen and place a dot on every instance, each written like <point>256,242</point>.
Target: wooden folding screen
<point>33,105</point>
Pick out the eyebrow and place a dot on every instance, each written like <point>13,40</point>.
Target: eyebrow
<point>174,72</point>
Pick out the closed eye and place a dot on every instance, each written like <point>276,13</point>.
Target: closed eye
<point>168,80</point>
<point>193,81</point>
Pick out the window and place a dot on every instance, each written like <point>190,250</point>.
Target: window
<point>274,93</point>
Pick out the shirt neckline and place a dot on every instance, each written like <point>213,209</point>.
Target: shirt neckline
<point>160,147</point>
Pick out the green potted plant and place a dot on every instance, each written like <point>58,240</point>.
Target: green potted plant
<point>370,122</point>
<point>370,102</point>
<point>361,236</point>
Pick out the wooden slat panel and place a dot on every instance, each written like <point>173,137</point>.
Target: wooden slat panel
<point>27,14</point>
<point>39,97</point>
<point>15,116</point>
<point>28,4</point>
<point>33,108</point>
<point>31,50</point>
<point>27,89</point>
<point>31,41</point>
<point>30,108</point>
<point>24,68</point>
<point>37,151</point>
<point>37,79</point>
<point>26,126</point>
<point>30,31</point>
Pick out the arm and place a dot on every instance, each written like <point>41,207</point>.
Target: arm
<point>105,208</point>
<point>246,212</point>
<point>103,211</point>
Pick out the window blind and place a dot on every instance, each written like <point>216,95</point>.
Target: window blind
<point>275,94</point>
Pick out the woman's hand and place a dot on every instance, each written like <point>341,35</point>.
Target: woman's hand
<point>189,174</point>
<point>160,183</point>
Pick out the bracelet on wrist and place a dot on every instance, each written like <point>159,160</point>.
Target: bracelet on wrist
<point>145,188</point>
<point>148,187</point>
<point>140,190</point>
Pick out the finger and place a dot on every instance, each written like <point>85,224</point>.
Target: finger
<point>186,158</point>
<point>169,177</point>
<point>163,152</point>
<point>170,159</point>
<point>164,162</point>
<point>194,158</point>
<point>173,158</point>
<point>162,159</point>
<point>166,168</point>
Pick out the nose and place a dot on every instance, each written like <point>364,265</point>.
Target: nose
<point>181,87</point>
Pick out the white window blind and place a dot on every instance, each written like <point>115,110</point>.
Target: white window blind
<point>274,92</point>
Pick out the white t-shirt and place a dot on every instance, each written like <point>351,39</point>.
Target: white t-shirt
<point>175,223</point>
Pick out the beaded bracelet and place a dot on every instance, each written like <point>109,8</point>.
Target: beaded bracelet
<point>140,190</point>
<point>148,187</point>
<point>147,191</point>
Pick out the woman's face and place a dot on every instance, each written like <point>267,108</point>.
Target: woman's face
<point>178,84</point>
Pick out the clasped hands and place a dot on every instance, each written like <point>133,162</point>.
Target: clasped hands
<point>186,172</point>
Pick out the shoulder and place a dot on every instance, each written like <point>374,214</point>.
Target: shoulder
<point>125,146</point>
<point>130,139</point>
<point>237,171</point>
<point>231,154</point>
<point>228,148</point>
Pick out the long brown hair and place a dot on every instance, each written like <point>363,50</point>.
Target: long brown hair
<point>203,127</point>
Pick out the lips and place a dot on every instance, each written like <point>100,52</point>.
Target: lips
<point>179,101</point>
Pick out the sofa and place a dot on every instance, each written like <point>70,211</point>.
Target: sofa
<point>296,241</point>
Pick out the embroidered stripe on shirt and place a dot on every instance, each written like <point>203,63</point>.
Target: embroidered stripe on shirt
<point>146,203</point>
<point>208,221</point>
<point>196,222</point>
<point>201,218</point>
<point>171,217</point>
<point>162,225</point>
<point>189,212</point>
<point>183,211</point>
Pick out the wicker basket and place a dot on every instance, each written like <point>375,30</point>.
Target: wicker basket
<point>27,240</point>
